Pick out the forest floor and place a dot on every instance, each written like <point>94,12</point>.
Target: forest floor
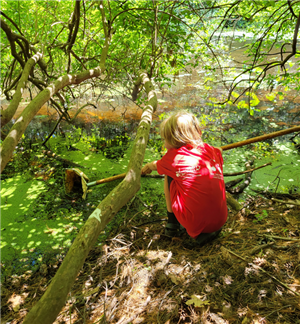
<point>250,274</point>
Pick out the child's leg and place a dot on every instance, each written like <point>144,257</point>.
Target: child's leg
<point>173,226</point>
<point>167,193</point>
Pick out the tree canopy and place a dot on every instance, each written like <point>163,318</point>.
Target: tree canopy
<point>78,42</point>
<point>156,36</point>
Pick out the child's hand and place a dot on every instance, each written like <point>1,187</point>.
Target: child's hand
<point>149,167</point>
<point>146,169</point>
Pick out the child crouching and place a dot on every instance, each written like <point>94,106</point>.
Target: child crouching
<point>194,185</point>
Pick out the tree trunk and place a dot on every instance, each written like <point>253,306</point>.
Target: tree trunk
<point>47,308</point>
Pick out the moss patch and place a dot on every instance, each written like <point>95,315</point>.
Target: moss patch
<point>283,174</point>
<point>21,231</point>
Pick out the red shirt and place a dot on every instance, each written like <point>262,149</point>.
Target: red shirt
<point>197,191</point>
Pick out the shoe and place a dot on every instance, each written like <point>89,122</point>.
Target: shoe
<point>204,238</point>
<point>174,230</point>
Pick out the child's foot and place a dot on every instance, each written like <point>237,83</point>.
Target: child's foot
<point>174,230</point>
<point>204,238</point>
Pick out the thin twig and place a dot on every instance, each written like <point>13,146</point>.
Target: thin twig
<point>150,222</point>
<point>128,206</point>
<point>289,202</point>
<point>260,247</point>
<point>279,238</point>
<point>147,206</point>
<point>264,271</point>
<point>277,310</point>
<point>246,171</point>
<point>139,212</point>
<point>166,294</point>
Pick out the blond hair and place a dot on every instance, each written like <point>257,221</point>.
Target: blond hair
<point>181,128</point>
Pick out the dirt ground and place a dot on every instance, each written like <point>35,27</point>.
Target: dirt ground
<point>250,274</point>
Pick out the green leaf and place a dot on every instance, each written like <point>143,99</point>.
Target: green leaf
<point>197,301</point>
<point>255,101</point>
<point>234,94</point>
<point>271,96</point>
<point>242,104</point>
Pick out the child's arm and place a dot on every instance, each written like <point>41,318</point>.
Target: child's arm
<point>149,167</point>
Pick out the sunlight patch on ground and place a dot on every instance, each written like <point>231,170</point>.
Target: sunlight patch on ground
<point>12,200</point>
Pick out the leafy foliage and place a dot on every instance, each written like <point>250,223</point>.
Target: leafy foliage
<point>274,27</point>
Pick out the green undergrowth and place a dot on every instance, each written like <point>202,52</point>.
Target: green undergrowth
<point>39,221</point>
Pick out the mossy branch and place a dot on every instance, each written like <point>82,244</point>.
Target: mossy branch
<point>8,113</point>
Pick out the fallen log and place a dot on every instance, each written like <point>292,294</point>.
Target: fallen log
<point>246,181</point>
<point>232,183</point>
<point>261,138</point>
<point>234,204</point>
